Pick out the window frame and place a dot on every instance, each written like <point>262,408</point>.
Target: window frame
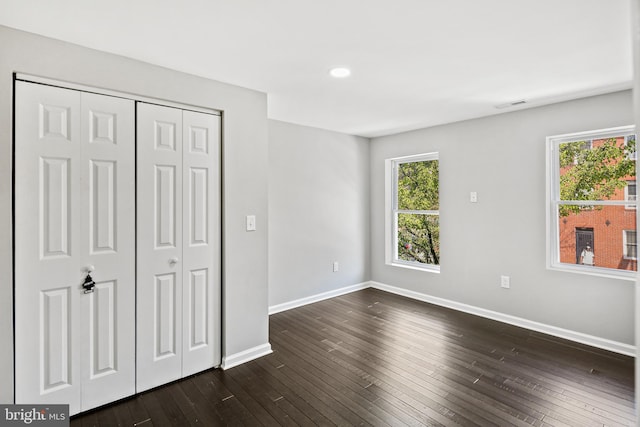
<point>392,211</point>
<point>553,202</point>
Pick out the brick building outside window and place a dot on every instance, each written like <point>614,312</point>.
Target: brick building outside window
<point>607,227</point>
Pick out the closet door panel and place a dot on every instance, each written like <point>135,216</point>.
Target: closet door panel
<point>155,260</point>
<point>74,209</point>
<point>201,250</point>
<point>48,254</point>
<point>108,243</point>
<point>159,245</point>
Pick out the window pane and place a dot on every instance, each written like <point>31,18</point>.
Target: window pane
<point>630,194</point>
<point>418,186</point>
<point>596,170</point>
<point>630,244</point>
<point>631,142</point>
<point>419,238</point>
<point>600,236</point>
<point>631,190</point>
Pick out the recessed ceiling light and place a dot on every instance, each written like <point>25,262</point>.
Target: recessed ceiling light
<point>340,72</point>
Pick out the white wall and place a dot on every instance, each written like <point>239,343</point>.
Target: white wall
<point>503,158</point>
<point>318,211</point>
<point>245,159</point>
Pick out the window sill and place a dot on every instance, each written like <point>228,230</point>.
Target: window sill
<point>595,271</point>
<point>411,266</point>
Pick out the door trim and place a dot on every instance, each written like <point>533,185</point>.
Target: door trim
<point>584,231</point>
<point>100,91</point>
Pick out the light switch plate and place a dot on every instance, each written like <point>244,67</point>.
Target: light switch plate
<point>251,223</point>
<point>505,282</point>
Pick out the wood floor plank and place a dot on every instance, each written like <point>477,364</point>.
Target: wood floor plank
<point>232,409</point>
<point>139,414</point>
<point>107,417</point>
<point>397,365</point>
<point>407,376</point>
<point>283,412</point>
<point>268,374</point>
<point>386,406</point>
<point>554,374</point>
<point>335,363</point>
<point>377,359</point>
<point>152,403</point>
<point>435,405</point>
<point>295,370</point>
<point>205,408</point>
<point>332,415</point>
<point>356,391</point>
<point>255,394</point>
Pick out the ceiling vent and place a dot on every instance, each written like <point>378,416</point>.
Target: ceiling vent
<point>511,104</point>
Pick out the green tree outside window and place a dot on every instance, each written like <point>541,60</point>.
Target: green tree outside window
<point>418,224</point>
<point>594,171</point>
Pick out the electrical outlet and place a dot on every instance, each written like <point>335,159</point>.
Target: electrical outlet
<point>473,197</point>
<point>505,282</point>
<point>336,266</point>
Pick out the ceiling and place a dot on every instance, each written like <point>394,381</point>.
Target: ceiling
<point>414,63</point>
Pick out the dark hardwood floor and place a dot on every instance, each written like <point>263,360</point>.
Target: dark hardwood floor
<point>374,358</point>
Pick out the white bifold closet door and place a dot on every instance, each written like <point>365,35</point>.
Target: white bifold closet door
<point>178,251</point>
<point>74,212</point>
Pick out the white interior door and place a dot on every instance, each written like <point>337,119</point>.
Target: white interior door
<point>178,244</point>
<point>108,239</point>
<point>201,242</point>
<point>73,208</point>
<point>159,229</point>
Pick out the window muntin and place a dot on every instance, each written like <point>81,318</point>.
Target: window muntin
<point>415,216</point>
<point>592,187</point>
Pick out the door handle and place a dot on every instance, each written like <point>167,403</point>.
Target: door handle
<point>173,261</point>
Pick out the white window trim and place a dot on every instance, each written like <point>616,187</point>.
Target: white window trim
<point>553,201</point>
<point>391,231</point>
<point>624,245</point>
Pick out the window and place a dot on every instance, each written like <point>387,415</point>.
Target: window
<point>629,244</point>
<point>631,141</point>
<point>592,202</point>
<point>413,212</point>
<point>583,147</point>
<point>630,193</point>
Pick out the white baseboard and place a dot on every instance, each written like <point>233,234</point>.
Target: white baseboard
<point>603,343</point>
<point>591,340</point>
<point>236,359</point>
<point>315,298</point>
